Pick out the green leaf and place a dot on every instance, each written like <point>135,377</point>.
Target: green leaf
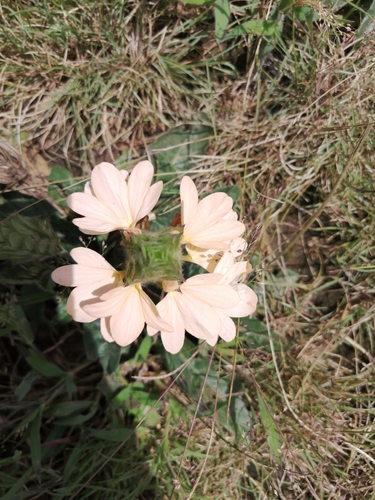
<point>239,419</point>
<point>26,385</point>
<point>96,347</point>
<point>14,318</point>
<point>35,444</point>
<point>111,434</point>
<point>67,409</point>
<point>25,239</point>
<point>73,420</point>
<point>254,334</point>
<point>197,2</point>
<point>273,436</point>
<point>367,25</point>
<point>73,460</point>
<point>11,494</point>
<point>46,368</point>
<point>255,27</point>
<point>176,150</point>
<point>222,13</point>
<point>143,350</point>
<point>306,14</point>
<point>62,184</point>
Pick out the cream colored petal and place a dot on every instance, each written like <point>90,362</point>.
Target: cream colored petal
<point>234,272</point>
<point>104,329</point>
<point>89,206</point>
<point>90,258</point>
<point>210,210</point>
<point>211,341</point>
<point>151,313</point>
<point>224,264</point>
<point>78,297</point>
<point>110,188</point>
<point>238,246</point>
<point>95,227</point>
<point>138,186</point>
<point>189,200</point>
<point>150,200</point>
<point>75,275</point>
<point>215,236</point>
<point>87,189</point>
<point>228,328</point>
<point>111,302</point>
<point>169,311</point>
<point>126,324</point>
<point>216,295</point>
<point>207,259</point>
<point>200,319</point>
<point>248,302</point>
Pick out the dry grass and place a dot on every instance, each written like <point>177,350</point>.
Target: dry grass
<point>102,80</point>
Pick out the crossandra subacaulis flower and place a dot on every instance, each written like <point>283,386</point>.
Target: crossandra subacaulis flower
<point>100,292</point>
<point>113,199</point>
<point>210,223</point>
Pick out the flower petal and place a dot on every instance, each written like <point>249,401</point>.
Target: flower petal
<point>173,341</point>
<point>150,200</point>
<point>151,313</point>
<point>111,189</point>
<point>189,199</point>
<point>210,210</point>
<point>216,236</point>
<point>104,329</point>
<point>248,302</point>
<point>200,319</point>
<point>80,297</point>
<point>138,186</point>
<point>89,206</point>
<point>228,328</point>
<point>127,322</point>
<point>216,295</point>
<point>89,258</point>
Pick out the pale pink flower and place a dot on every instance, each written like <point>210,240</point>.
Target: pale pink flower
<point>91,277</point>
<point>174,307</point>
<point>115,200</point>
<point>210,223</point>
<point>124,311</point>
<point>195,306</point>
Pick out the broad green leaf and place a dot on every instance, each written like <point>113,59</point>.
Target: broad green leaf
<point>239,420</point>
<point>222,13</point>
<point>24,239</point>
<point>255,27</point>
<point>62,184</point>
<point>367,25</point>
<point>254,334</point>
<point>176,150</point>
<point>14,318</point>
<point>306,14</point>
<point>96,347</point>
<point>273,436</point>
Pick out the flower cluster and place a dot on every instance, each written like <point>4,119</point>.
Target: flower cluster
<point>209,235</point>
